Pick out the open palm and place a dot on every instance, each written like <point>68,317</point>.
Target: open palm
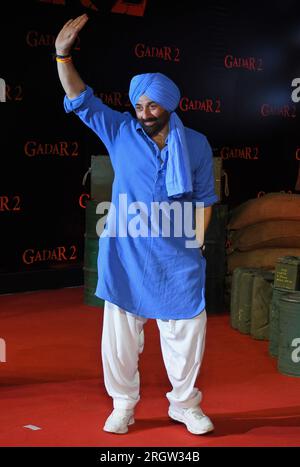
<point>68,34</point>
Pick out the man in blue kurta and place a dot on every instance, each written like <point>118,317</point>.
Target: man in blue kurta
<point>150,264</point>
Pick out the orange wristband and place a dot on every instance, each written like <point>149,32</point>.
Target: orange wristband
<point>64,60</point>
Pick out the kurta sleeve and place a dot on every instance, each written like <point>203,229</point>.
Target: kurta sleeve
<point>203,180</point>
<point>103,120</point>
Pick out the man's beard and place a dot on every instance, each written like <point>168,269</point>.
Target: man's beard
<point>158,123</point>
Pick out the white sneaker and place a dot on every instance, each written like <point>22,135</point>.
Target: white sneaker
<point>194,419</point>
<point>118,421</point>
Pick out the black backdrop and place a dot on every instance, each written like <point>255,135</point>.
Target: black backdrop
<point>233,61</point>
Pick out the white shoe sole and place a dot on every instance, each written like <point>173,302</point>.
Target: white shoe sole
<point>120,431</point>
<point>207,429</point>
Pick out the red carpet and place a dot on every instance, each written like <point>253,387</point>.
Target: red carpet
<point>53,379</point>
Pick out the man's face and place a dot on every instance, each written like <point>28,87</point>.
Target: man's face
<point>152,117</point>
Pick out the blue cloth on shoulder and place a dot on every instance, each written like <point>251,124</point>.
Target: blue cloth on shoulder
<point>164,92</point>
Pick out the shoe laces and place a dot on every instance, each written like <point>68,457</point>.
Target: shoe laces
<point>196,412</point>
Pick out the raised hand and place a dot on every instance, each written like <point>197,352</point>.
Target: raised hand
<point>68,34</point>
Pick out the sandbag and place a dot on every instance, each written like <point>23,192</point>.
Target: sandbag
<point>272,206</point>
<point>279,234</point>
<point>259,258</point>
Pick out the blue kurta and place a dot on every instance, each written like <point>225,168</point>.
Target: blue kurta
<point>150,276</point>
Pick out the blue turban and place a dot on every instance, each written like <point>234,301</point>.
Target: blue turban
<point>164,92</point>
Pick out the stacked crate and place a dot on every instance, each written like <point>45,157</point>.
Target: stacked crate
<point>101,187</point>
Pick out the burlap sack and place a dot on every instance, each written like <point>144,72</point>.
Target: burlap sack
<point>259,258</point>
<point>272,206</point>
<point>278,234</point>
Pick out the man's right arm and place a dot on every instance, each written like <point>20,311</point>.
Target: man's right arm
<point>70,79</point>
<point>68,75</point>
<point>80,99</point>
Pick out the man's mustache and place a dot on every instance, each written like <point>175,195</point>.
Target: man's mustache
<point>148,120</point>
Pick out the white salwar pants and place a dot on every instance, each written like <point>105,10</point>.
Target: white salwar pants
<point>182,344</point>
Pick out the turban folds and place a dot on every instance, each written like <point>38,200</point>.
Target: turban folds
<point>162,90</point>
